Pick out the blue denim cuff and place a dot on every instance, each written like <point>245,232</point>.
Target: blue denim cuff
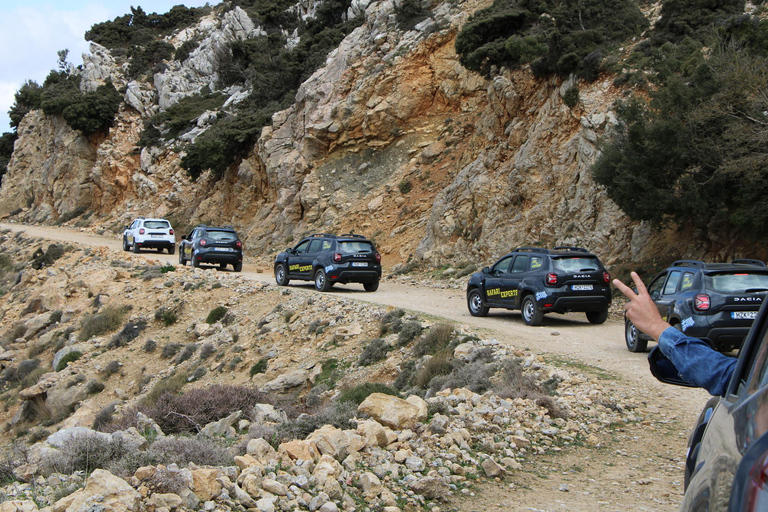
<point>696,361</point>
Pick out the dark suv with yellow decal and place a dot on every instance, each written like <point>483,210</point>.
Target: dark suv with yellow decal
<point>537,281</point>
<point>329,259</point>
<point>716,302</point>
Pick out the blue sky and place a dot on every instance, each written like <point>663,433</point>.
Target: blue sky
<point>33,31</point>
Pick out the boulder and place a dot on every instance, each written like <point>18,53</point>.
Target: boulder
<point>286,381</point>
<point>391,411</point>
<point>263,413</point>
<point>299,450</point>
<point>373,434</point>
<point>260,449</point>
<point>103,491</point>
<point>18,506</point>
<point>330,440</point>
<point>222,427</point>
<point>432,488</point>
<point>205,483</point>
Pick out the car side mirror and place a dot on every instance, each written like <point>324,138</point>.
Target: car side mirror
<point>655,295</point>
<point>486,270</point>
<point>183,237</point>
<point>664,370</point>
<point>289,250</point>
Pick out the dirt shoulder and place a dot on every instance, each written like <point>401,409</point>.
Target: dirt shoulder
<point>638,466</point>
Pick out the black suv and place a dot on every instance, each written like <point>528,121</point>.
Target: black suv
<point>538,281</point>
<point>716,302</point>
<point>328,259</point>
<point>726,466</point>
<point>207,244</point>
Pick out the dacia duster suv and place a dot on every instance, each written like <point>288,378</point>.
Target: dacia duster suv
<point>149,234</point>
<point>212,245</point>
<point>328,259</point>
<point>716,302</point>
<point>538,281</point>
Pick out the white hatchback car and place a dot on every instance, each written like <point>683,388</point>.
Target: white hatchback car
<point>149,234</point>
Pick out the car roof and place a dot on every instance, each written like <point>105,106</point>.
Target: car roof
<point>735,265</point>
<point>344,237</point>
<point>557,251</point>
<point>217,228</point>
<point>148,219</point>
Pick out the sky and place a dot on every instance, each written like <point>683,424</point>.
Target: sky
<point>33,31</point>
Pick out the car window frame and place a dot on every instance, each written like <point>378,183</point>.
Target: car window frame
<point>521,257</point>
<point>535,258</point>
<point>661,278</point>
<point>496,266</point>
<point>668,281</point>
<point>297,249</point>
<point>317,242</point>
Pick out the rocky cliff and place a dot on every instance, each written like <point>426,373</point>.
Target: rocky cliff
<point>392,138</point>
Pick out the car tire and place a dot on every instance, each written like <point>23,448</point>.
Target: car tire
<point>281,276</point>
<point>135,247</point>
<point>238,266</point>
<point>531,314</point>
<point>597,317</point>
<point>222,266</point>
<point>195,261</point>
<point>171,250</point>
<point>371,287</point>
<point>475,304</point>
<point>182,261</point>
<point>321,281</point>
<point>159,249</point>
<point>632,338</point>
<point>126,247</point>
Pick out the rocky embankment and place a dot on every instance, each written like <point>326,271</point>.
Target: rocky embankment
<point>345,405</point>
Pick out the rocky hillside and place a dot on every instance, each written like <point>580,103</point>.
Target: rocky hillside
<point>392,137</point>
<point>134,386</point>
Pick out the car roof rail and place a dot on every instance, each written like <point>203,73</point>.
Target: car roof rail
<point>322,234</point>
<point>689,263</point>
<point>351,235</point>
<point>570,248</point>
<point>747,261</point>
<point>532,249</point>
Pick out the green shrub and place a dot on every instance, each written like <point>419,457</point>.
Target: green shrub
<point>170,350</point>
<point>330,374</point>
<point>435,340</point>
<point>108,319</point>
<point>186,353</point>
<point>167,268</point>
<point>139,28</point>
<point>410,13</point>
<point>405,186</point>
<point>216,314</point>
<point>207,350</point>
<point>7,140</point>
<point>259,367</point>
<point>129,332</point>
<point>150,345</point>
<point>82,452</point>
<point>358,394</point>
<point>166,315</point>
<point>375,351</point>
<point>26,99</point>
<point>571,96</point>
<point>68,358</point>
<point>167,385</point>
<point>111,368</point>
<point>439,364</point>
<point>180,117</point>
<point>408,332</point>
<point>392,322</point>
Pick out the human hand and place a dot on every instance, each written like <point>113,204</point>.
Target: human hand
<point>640,309</point>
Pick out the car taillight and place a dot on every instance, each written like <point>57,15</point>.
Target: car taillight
<point>378,257</point>
<point>170,231</point>
<point>756,487</point>
<point>141,231</point>
<point>551,278</point>
<point>337,257</point>
<point>238,244</point>
<point>203,242</point>
<point>701,302</point>
<point>606,277</point>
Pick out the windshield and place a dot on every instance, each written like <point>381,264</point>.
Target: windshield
<point>741,282</point>
<point>576,264</point>
<point>157,224</point>
<point>355,247</point>
<point>220,235</point>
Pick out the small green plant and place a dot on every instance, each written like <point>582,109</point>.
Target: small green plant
<point>392,322</point>
<point>150,346</point>
<point>435,340</point>
<point>259,367</point>
<point>170,350</point>
<point>166,315</point>
<point>216,314</point>
<point>106,320</point>
<point>408,333</point>
<point>405,186</point>
<point>571,96</point>
<point>358,394</point>
<point>375,351</point>
<point>68,358</point>
<point>167,268</point>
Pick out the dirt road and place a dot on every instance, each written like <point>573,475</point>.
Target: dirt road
<point>636,467</point>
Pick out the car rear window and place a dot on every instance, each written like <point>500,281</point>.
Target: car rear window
<point>157,224</point>
<point>223,236</point>
<point>736,282</point>
<point>355,247</point>
<point>576,264</point>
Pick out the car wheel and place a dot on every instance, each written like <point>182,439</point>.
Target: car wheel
<point>371,287</point>
<point>475,304</point>
<point>632,338</point>
<point>171,250</point>
<point>238,266</point>
<point>159,249</point>
<point>281,276</point>
<point>597,317</point>
<point>195,261</point>
<point>532,315</point>
<point>222,266</point>
<point>321,282</point>
<point>135,247</point>
<point>182,261</point>
<point>125,243</point>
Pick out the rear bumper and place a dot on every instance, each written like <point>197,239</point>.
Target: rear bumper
<point>150,243</point>
<point>219,257</point>
<point>575,303</point>
<point>354,276</point>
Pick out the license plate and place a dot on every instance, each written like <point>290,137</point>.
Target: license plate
<point>222,249</point>
<point>155,235</point>
<point>359,264</point>
<point>743,315</point>
<point>581,287</point>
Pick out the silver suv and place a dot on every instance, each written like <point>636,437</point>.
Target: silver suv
<point>149,234</point>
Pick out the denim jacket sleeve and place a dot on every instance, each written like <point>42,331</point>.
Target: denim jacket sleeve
<point>697,362</point>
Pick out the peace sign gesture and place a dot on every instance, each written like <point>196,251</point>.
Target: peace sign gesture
<point>640,309</point>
